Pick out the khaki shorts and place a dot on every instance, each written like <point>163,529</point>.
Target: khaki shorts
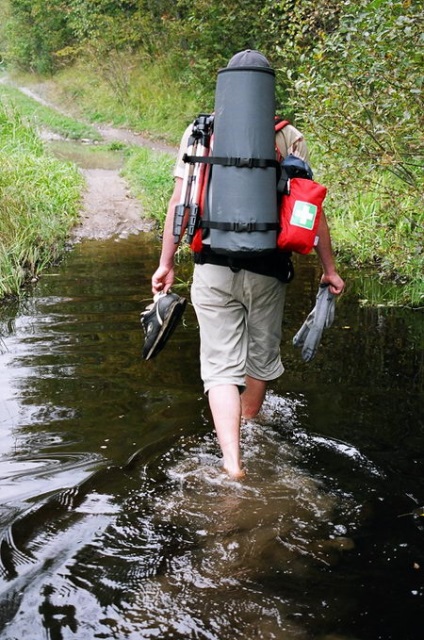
<point>240,316</point>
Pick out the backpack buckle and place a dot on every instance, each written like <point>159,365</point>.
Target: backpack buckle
<point>244,162</point>
<point>240,227</point>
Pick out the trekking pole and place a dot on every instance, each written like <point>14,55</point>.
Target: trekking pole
<point>180,209</point>
<point>202,130</point>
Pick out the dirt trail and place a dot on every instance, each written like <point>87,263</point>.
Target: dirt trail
<point>108,207</point>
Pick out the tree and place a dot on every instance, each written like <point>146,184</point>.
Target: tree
<point>34,31</point>
<point>362,90</point>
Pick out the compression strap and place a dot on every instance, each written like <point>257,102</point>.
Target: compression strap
<point>250,163</point>
<point>240,227</point>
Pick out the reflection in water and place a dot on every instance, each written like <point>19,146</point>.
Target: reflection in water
<point>116,520</point>
<point>86,156</point>
<point>55,618</point>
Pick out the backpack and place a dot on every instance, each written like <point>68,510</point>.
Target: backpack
<point>299,197</point>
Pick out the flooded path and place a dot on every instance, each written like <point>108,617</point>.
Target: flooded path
<point>115,518</point>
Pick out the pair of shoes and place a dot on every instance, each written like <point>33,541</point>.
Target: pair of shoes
<point>322,316</point>
<point>159,320</point>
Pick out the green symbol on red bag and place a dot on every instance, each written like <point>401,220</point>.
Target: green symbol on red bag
<point>303,214</point>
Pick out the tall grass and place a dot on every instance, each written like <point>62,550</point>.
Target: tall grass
<point>381,230</point>
<point>43,117</point>
<point>148,97</point>
<point>39,202</point>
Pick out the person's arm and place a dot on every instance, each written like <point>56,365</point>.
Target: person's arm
<point>163,277</point>
<point>325,254</point>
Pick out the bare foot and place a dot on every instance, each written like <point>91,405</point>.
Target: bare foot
<point>235,474</point>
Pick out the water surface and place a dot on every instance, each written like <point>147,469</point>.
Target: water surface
<point>116,520</point>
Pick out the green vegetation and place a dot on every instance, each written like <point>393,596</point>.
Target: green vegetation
<point>39,203</point>
<point>152,102</point>
<point>351,78</point>
<point>366,87</point>
<point>44,117</point>
<point>149,175</point>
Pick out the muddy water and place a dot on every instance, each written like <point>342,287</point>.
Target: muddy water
<point>116,520</point>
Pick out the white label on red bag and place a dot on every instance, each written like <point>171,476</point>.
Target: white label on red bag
<point>303,214</point>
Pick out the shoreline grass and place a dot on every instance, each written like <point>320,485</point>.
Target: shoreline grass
<point>39,203</point>
<point>149,175</point>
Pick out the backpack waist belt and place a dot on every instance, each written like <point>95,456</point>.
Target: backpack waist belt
<point>276,265</point>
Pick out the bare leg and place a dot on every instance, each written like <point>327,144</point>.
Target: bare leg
<point>252,397</point>
<point>224,401</point>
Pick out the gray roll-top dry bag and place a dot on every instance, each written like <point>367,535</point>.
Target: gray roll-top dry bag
<point>242,202</point>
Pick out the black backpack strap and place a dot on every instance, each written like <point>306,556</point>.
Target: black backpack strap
<point>240,227</point>
<point>250,163</point>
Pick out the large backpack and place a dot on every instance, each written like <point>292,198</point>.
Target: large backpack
<point>239,193</point>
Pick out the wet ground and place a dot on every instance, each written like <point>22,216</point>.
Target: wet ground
<point>115,518</point>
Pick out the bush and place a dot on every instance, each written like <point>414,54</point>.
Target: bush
<point>361,93</point>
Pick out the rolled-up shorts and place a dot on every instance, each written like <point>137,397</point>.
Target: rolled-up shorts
<point>240,317</point>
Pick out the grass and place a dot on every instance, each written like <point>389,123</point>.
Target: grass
<point>149,175</point>
<point>39,203</point>
<point>149,98</point>
<point>381,230</point>
<point>377,228</point>
<point>41,117</point>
